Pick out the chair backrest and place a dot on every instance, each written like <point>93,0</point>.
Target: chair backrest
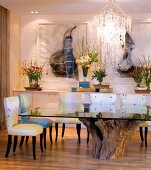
<point>103,98</point>
<point>25,105</point>
<point>11,106</point>
<point>25,102</point>
<point>133,99</point>
<point>133,103</point>
<point>71,97</point>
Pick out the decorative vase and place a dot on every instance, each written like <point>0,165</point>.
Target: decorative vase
<point>85,73</point>
<point>30,82</point>
<point>33,84</point>
<point>148,86</point>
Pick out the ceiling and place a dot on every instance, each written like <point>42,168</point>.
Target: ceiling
<point>135,8</point>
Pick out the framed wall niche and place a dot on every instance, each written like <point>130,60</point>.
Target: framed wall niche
<point>51,47</point>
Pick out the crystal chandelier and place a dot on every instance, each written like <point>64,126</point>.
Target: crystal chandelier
<point>112,24</point>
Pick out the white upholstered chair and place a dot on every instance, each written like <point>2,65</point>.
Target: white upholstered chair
<point>103,98</point>
<point>70,101</point>
<point>103,102</point>
<point>11,106</point>
<point>136,103</point>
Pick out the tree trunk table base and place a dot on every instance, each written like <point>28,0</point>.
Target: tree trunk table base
<point>110,137</point>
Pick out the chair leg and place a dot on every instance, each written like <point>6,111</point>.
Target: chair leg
<point>63,129</point>
<point>44,138</point>
<point>21,141</point>
<point>146,132</point>
<point>15,143</point>
<point>50,134</point>
<point>88,135</point>
<point>8,145</point>
<point>41,142</point>
<point>78,126</point>
<point>27,137</point>
<point>141,133</point>
<point>34,146</point>
<point>56,127</point>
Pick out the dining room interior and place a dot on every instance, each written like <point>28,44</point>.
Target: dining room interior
<point>75,84</point>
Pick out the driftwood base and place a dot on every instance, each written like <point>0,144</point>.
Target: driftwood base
<point>110,137</point>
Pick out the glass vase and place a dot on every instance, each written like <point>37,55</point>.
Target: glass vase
<point>148,86</point>
<point>85,73</point>
<point>30,82</point>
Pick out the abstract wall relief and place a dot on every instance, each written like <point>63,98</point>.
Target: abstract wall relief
<point>57,43</point>
<point>126,65</point>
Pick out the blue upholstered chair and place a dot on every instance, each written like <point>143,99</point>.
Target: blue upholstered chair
<point>136,103</point>
<point>25,105</point>
<point>70,101</point>
<point>11,106</point>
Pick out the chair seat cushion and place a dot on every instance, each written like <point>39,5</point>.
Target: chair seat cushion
<point>71,121</point>
<point>145,124</point>
<point>45,122</point>
<point>25,130</point>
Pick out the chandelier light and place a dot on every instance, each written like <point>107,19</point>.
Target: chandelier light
<point>112,24</point>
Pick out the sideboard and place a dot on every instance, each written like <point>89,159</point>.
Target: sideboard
<point>40,98</point>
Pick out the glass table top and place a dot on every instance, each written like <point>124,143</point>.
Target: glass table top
<point>95,111</point>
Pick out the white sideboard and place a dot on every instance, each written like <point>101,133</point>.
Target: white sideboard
<point>40,98</point>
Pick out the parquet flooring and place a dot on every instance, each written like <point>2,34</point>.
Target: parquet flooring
<point>66,154</point>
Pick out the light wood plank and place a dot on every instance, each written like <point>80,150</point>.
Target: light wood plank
<point>67,154</point>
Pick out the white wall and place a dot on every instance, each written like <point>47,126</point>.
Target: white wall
<point>29,25</point>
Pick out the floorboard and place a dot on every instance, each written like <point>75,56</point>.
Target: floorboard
<point>67,154</point>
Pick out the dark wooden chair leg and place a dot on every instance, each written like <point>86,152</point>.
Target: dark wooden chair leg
<point>21,141</point>
<point>141,133</point>
<point>63,129</point>
<point>41,142</point>
<point>15,143</point>
<point>27,137</point>
<point>78,126</point>
<point>34,146</point>
<point>146,132</point>
<point>8,145</point>
<point>45,138</point>
<point>88,135</point>
<point>56,127</point>
<point>50,134</point>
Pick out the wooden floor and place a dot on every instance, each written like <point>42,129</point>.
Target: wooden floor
<point>66,154</point>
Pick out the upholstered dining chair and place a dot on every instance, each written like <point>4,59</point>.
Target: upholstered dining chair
<point>136,103</point>
<point>11,106</point>
<point>25,105</point>
<point>103,98</point>
<point>70,101</point>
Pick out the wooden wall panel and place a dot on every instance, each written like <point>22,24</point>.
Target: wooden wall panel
<point>4,60</point>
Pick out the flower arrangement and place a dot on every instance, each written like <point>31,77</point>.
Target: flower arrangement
<point>99,74</point>
<point>142,73</point>
<point>85,61</point>
<point>33,71</point>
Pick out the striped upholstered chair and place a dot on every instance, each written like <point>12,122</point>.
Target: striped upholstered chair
<point>11,106</point>
<point>70,101</point>
<point>136,103</point>
<point>25,105</point>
